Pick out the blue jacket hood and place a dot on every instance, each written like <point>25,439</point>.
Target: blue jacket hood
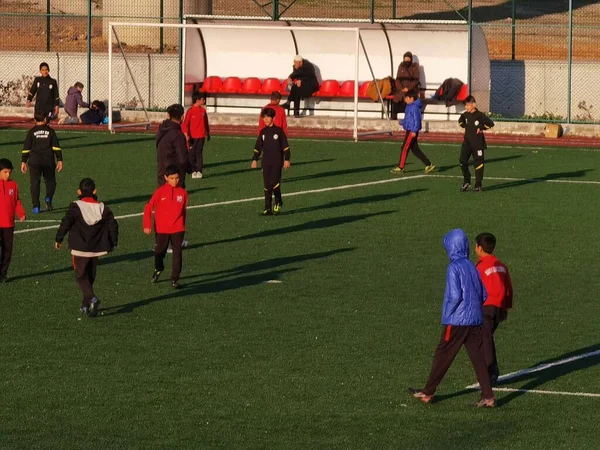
<point>412,117</point>
<point>456,244</point>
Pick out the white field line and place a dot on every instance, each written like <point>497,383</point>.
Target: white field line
<point>537,391</point>
<point>532,180</point>
<point>253,199</point>
<point>519,373</point>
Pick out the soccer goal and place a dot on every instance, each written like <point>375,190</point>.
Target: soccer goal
<point>190,53</point>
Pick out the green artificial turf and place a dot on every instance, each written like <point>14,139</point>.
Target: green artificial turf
<point>323,358</point>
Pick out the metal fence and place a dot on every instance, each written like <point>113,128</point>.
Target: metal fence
<point>545,57</point>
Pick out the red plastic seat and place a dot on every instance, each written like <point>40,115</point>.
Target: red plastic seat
<point>250,85</point>
<point>329,88</point>
<point>362,90</point>
<point>269,85</point>
<point>283,88</point>
<point>212,85</point>
<point>231,85</point>
<point>463,93</point>
<point>347,89</point>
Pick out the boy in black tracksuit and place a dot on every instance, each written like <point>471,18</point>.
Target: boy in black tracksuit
<point>45,91</point>
<point>273,145</point>
<point>40,149</point>
<point>93,232</point>
<point>475,123</point>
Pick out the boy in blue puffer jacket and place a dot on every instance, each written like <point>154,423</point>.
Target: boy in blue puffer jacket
<point>462,318</point>
<point>412,124</point>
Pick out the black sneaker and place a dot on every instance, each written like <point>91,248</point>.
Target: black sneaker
<point>49,207</point>
<point>175,285</point>
<point>267,212</point>
<point>465,187</point>
<point>94,305</point>
<point>477,189</point>
<point>155,276</point>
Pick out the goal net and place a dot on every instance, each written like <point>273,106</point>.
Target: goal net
<point>143,78</point>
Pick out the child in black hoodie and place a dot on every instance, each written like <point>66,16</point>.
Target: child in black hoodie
<point>171,146</point>
<point>93,232</point>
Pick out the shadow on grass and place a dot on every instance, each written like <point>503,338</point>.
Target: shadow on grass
<point>248,169</point>
<point>442,169</point>
<point>236,278</point>
<point>118,141</point>
<point>549,177</point>
<point>334,173</point>
<point>539,375</point>
<point>355,201</point>
<point>146,197</point>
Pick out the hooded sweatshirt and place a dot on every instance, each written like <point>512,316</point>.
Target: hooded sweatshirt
<point>10,205</point>
<point>74,99</point>
<point>412,117</point>
<point>464,294</point>
<point>171,148</point>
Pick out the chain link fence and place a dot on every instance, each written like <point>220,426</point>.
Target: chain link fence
<point>544,54</point>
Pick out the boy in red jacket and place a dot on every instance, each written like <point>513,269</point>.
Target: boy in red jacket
<point>169,204</point>
<point>197,132</point>
<point>10,205</point>
<point>280,119</point>
<point>498,285</point>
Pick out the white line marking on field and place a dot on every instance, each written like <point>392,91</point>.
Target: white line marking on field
<point>253,199</point>
<point>537,391</point>
<point>519,373</point>
<point>40,221</point>
<point>531,180</point>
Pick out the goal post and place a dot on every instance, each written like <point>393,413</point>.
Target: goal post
<point>216,62</point>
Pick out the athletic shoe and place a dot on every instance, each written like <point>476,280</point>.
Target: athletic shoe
<point>83,310</point>
<point>194,174</point>
<point>200,176</point>
<point>430,168</point>
<point>155,276</point>
<point>419,394</point>
<point>277,208</point>
<point>486,403</point>
<point>494,379</point>
<point>465,187</point>
<point>397,170</point>
<point>36,210</point>
<point>175,285</point>
<point>477,189</point>
<point>267,212</point>
<point>49,207</point>
<point>94,305</point>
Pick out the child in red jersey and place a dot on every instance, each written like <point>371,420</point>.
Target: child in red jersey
<point>169,204</point>
<point>197,132</point>
<point>10,206</point>
<point>498,285</point>
<point>280,119</point>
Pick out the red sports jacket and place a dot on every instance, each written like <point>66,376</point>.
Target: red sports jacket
<point>169,205</point>
<point>10,205</point>
<point>496,280</point>
<point>195,123</point>
<point>279,121</point>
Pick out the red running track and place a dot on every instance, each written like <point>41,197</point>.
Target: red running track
<point>297,132</point>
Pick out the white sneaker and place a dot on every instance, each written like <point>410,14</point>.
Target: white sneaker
<point>194,174</point>
<point>199,174</point>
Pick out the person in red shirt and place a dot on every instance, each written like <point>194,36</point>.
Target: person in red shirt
<point>169,204</point>
<point>197,132</point>
<point>498,285</point>
<point>10,206</point>
<point>280,119</point>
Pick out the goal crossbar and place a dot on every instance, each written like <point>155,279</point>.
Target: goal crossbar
<point>358,45</point>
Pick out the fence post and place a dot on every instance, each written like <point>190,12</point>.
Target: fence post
<point>570,62</point>
<point>161,29</point>
<point>275,9</point>
<point>470,50</point>
<point>514,28</point>
<point>394,9</point>
<point>372,11</point>
<point>181,31</point>
<point>89,52</point>
<point>47,25</point>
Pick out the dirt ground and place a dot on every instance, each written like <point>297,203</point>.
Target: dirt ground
<point>541,31</point>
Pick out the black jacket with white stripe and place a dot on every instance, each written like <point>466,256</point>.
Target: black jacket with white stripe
<point>93,230</point>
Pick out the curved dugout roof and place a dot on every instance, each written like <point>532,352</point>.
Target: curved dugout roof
<point>441,50</point>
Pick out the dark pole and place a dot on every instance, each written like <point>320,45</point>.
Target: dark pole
<point>394,9</point>
<point>514,25</point>
<point>372,11</point>
<point>275,9</point>
<point>181,31</point>
<point>161,29</point>
<point>470,56</point>
<point>89,52</point>
<point>47,25</point>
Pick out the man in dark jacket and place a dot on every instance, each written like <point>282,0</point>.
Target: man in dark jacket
<point>408,78</point>
<point>462,318</point>
<point>304,83</point>
<point>171,145</point>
